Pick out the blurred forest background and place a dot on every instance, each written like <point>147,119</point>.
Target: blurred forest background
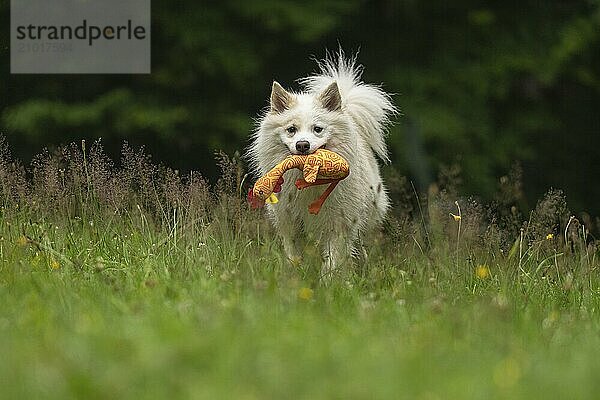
<point>483,86</point>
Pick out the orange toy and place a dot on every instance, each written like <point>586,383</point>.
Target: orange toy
<point>320,168</point>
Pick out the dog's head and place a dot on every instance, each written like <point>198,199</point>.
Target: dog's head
<point>304,122</point>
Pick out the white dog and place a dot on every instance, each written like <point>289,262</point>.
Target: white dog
<point>338,112</point>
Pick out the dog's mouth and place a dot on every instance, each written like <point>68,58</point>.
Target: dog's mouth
<point>296,153</point>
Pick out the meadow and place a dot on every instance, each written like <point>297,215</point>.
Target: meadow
<point>129,280</point>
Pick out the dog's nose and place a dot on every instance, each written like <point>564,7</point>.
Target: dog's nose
<point>303,146</point>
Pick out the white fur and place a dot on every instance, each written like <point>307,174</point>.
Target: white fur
<point>357,132</point>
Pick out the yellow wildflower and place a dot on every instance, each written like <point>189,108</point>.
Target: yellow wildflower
<point>456,217</point>
<point>305,293</point>
<point>549,236</point>
<point>54,264</point>
<point>482,271</point>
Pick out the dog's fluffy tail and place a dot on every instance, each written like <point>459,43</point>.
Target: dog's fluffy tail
<point>368,105</point>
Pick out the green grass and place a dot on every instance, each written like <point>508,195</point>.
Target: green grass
<point>125,303</point>
<point>218,315</point>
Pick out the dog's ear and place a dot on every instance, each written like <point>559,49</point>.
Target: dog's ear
<point>281,99</point>
<point>331,98</point>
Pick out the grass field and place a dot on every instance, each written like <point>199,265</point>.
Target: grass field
<point>134,282</point>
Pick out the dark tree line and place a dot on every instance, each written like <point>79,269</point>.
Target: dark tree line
<point>483,86</point>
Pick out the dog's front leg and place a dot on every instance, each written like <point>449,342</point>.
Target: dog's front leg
<point>290,246</point>
<point>289,231</point>
<point>336,254</point>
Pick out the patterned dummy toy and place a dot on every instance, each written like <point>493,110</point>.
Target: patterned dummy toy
<point>320,168</point>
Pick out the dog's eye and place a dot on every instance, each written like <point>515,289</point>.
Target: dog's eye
<point>291,130</point>
<point>318,129</point>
